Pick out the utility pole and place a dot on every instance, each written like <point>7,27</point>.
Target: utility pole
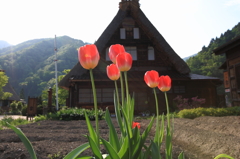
<point>56,76</point>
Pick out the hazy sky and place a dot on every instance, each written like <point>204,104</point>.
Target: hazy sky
<point>187,25</point>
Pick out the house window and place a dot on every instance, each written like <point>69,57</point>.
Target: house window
<point>179,89</point>
<point>107,94</point>
<point>85,95</point>
<point>151,55</point>
<point>132,50</point>
<point>107,56</point>
<point>122,33</point>
<point>103,95</point>
<point>136,33</point>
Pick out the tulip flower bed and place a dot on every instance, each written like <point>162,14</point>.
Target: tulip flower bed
<point>129,141</point>
<point>200,138</point>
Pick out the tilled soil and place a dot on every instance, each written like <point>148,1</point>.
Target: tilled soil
<point>200,138</point>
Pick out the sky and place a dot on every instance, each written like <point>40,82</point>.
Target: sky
<point>187,25</point>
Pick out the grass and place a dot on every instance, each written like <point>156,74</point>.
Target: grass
<point>12,121</point>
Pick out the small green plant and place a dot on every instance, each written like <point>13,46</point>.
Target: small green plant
<point>40,118</point>
<point>197,112</point>
<point>12,121</point>
<point>55,156</point>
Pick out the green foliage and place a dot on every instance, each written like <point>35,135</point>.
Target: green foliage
<point>16,107</point>
<point>39,109</point>
<point>12,121</point>
<point>55,156</point>
<point>3,82</point>
<point>71,114</point>
<point>30,65</point>
<point>62,93</point>
<point>24,110</point>
<point>40,118</point>
<point>78,114</point>
<point>198,112</point>
<point>206,63</point>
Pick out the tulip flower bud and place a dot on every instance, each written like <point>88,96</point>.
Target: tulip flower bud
<point>114,50</point>
<point>88,56</point>
<point>124,61</point>
<point>113,72</point>
<point>151,78</point>
<point>164,83</point>
<point>136,124</point>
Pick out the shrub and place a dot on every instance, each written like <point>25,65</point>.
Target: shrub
<point>13,107</point>
<point>12,121</point>
<point>73,114</point>
<point>19,106</point>
<point>188,103</point>
<point>24,110</point>
<point>39,109</point>
<point>197,112</point>
<point>40,118</point>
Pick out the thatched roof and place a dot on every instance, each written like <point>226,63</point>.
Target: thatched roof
<point>157,39</point>
<point>8,88</point>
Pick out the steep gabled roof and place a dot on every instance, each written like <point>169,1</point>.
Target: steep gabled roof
<point>157,39</point>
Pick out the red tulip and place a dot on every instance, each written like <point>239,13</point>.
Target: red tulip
<point>124,61</point>
<point>114,50</point>
<point>113,72</point>
<point>164,83</point>
<point>135,124</point>
<point>151,78</point>
<point>88,56</point>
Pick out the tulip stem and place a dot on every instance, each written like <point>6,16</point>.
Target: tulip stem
<point>122,89</point>
<point>156,139</point>
<point>168,115</point>
<point>95,105</point>
<point>169,132</point>
<point>117,110</point>
<point>115,82</point>
<point>126,83</point>
<point>129,106</point>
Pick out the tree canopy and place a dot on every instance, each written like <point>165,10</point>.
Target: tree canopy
<point>3,82</point>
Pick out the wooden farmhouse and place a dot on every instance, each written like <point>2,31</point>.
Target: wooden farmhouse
<point>150,51</point>
<point>231,68</point>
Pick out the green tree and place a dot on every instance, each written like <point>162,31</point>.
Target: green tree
<point>3,82</point>
<point>22,96</point>
<point>62,93</point>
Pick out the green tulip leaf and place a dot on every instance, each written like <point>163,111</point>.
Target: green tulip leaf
<point>155,151</point>
<point>92,132</point>
<point>111,151</point>
<point>77,151</point>
<point>25,141</point>
<point>95,149</point>
<point>143,139</point>
<point>181,156</point>
<point>124,151</point>
<point>113,138</point>
<point>223,155</point>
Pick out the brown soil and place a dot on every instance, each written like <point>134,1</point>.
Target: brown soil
<point>201,138</point>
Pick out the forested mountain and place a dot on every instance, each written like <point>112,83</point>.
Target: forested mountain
<point>207,63</point>
<point>185,58</point>
<point>30,65</point>
<point>3,44</point>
